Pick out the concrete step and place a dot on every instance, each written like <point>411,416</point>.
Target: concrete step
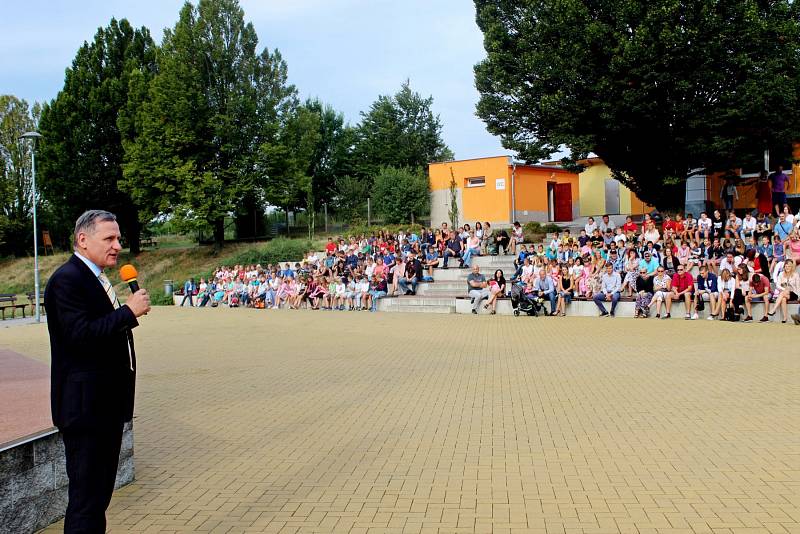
<point>418,303</point>
<point>419,309</point>
<point>456,274</point>
<point>583,308</point>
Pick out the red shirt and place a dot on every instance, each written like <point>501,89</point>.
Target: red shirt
<point>682,281</point>
<point>629,227</point>
<point>330,247</point>
<point>759,283</point>
<point>669,225</point>
<point>678,227</point>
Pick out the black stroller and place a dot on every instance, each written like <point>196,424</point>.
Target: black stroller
<point>521,302</point>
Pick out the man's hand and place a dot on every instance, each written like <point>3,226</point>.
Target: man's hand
<point>139,303</point>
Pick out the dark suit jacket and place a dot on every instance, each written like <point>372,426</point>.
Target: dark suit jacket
<point>92,383</point>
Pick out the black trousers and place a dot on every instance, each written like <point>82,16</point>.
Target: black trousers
<point>92,458</point>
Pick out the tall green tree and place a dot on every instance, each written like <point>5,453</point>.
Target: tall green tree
<point>192,143</point>
<point>16,192</point>
<point>288,160</point>
<point>333,155</point>
<point>401,194</point>
<point>400,131</point>
<point>81,154</point>
<point>657,88</point>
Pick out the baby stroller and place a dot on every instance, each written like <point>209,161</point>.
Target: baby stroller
<point>522,302</point>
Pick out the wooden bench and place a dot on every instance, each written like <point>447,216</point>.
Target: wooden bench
<point>148,242</point>
<point>8,301</point>
<point>32,302</point>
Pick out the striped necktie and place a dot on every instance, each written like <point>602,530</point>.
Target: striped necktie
<point>106,283</point>
<point>112,296</point>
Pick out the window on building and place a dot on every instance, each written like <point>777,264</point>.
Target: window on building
<point>478,181</point>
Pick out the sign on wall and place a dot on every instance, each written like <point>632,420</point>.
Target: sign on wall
<point>500,184</point>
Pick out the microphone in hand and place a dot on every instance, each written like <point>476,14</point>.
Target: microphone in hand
<point>128,274</point>
<point>139,302</point>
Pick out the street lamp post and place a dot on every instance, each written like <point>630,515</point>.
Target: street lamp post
<point>34,136</point>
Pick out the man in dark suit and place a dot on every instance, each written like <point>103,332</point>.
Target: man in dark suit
<point>93,367</point>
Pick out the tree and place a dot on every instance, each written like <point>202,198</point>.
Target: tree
<point>401,194</point>
<point>16,196</point>
<point>333,153</point>
<point>192,144</point>
<point>350,198</point>
<point>453,211</point>
<point>288,162</point>
<point>400,131</point>
<point>657,88</point>
<point>81,152</point>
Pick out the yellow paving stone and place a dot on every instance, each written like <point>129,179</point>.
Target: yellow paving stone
<point>250,420</point>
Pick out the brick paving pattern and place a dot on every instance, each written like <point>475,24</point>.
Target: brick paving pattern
<point>253,421</point>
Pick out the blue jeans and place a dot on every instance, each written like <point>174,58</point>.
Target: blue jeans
<point>403,283</point>
<point>599,298</point>
<point>469,253</point>
<point>376,295</point>
<point>553,298</point>
<point>448,254</point>
<point>269,297</point>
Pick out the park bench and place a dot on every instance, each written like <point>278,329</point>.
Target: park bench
<point>8,301</point>
<point>32,301</point>
<point>148,242</point>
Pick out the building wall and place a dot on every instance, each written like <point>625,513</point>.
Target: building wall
<point>593,193</point>
<point>592,190</point>
<point>531,191</point>
<point>486,203</point>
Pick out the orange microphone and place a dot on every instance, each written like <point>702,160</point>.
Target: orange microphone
<point>128,274</point>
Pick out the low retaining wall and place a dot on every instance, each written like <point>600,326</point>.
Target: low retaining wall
<point>33,480</point>
<point>587,308</point>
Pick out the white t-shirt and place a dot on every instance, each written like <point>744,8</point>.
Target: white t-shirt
<point>749,224</point>
<point>620,240</point>
<point>704,224</point>
<point>590,227</point>
<point>730,285</point>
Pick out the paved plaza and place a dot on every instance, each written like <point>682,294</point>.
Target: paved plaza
<point>263,421</point>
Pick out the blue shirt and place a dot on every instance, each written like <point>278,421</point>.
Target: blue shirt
<point>651,265</point>
<point>90,264</point>
<point>709,283</point>
<point>783,229</point>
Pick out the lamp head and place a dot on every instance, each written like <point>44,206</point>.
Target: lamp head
<point>31,135</point>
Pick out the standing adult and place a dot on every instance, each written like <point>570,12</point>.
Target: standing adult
<point>729,193</point>
<point>779,180</point>
<point>189,289</point>
<point>764,193</point>
<point>93,366</point>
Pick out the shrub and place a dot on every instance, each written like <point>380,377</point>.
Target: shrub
<point>279,249</point>
<point>551,228</point>
<point>400,194</point>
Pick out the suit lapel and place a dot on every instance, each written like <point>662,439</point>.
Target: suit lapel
<point>93,285</point>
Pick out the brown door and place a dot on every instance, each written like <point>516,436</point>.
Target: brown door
<point>563,203</point>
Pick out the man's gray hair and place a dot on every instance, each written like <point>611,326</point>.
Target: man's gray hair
<point>88,220</point>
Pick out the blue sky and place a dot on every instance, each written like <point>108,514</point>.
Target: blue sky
<point>346,52</point>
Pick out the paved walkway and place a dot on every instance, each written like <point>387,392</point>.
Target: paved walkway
<point>261,421</point>
<point>24,397</point>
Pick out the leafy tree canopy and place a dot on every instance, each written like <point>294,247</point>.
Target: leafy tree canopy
<point>400,131</point>
<point>400,194</point>
<point>657,88</point>
<point>16,197</point>
<point>81,152</point>
<point>193,136</point>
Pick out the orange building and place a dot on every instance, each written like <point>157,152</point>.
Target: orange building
<point>708,187</point>
<point>501,191</point>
